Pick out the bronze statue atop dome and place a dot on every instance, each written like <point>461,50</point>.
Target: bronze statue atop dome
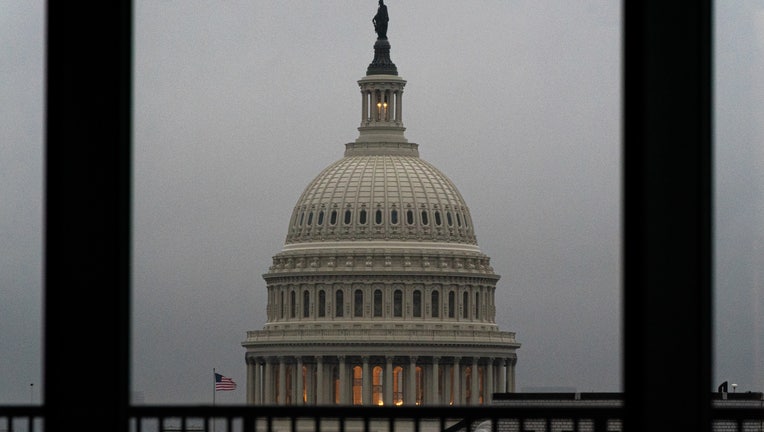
<point>380,21</point>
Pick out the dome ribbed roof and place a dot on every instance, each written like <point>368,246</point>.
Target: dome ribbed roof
<point>381,197</point>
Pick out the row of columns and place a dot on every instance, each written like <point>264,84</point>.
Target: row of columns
<point>388,380</point>
<point>376,105</point>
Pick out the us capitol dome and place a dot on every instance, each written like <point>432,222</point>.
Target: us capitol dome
<point>381,294</point>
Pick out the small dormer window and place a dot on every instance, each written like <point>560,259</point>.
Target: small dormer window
<point>302,216</point>
<point>362,217</point>
<point>333,218</point>
<point>348,216</point>
<point>378,217</point>
<point>438,221</point>
<point>449,219</point>
<point>458,219</point>
<point>410,217</point>
<point>394,217</point>
<point>320,218</point>
<point>425,219</point>
<point>310,218</point>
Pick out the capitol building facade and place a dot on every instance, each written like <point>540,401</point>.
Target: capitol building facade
<point>381,294</point>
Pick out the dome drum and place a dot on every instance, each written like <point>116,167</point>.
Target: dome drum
<point>354,260</point>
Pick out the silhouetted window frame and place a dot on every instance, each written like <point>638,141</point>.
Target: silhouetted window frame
<point>667,88</point>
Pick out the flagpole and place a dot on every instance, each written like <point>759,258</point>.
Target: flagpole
<point>214,390</point>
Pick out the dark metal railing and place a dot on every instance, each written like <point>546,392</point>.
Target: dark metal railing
<point>376,419</point>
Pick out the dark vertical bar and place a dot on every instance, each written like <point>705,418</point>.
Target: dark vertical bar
<point>667,215</point>
<point>87,215</point>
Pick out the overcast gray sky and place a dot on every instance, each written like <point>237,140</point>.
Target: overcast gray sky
<point>239,104</point>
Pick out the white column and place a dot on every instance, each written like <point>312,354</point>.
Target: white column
<point>364,105</point>
<point>300,384</point>
<point>343,381</point>
<point>410,397</point>
<point>399,107</point>
<point>319,380</point>
<point>250,380</point>
<point>447,385</point>
<point>511,374</point>
<point>503,375</point>
<point>268,382</point>
<point>388,381</point>
<point>434,393</point>
<point>475,388</point>
<point>366,383</point>
<point>488,383</point>
<point>457,380</point>
<point>282,381</point>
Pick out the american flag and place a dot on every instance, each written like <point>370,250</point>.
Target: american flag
<point>223,383</point>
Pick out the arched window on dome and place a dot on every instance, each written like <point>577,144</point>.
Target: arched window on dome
<point>362,217</point>
<point>358,303</point>
<point>306,304</point>
<point>310,218</point>
<point>357,385</point>
<point>410,217</point>
<point>394,217</point>
<point>438,221</point>
<point>320,218</point>
<point>333,218</point>
<point>339,303</point>
<point>283,305</point>
<point>449,219</point>
<point>435,307</point>
<point>378,217</point>
<point>321,304</point>
<point>398,385</point>
<point>417,302</point>
<point>348,216</point>
<point>466,305</point>
<point>425,218</point>
<point>398,303</point>
<point>458,219</point>
<point>302,218</point>
<point>451,304</point>
<point>292,304</point>
<point>377,378</point>
<point>378,303</point>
